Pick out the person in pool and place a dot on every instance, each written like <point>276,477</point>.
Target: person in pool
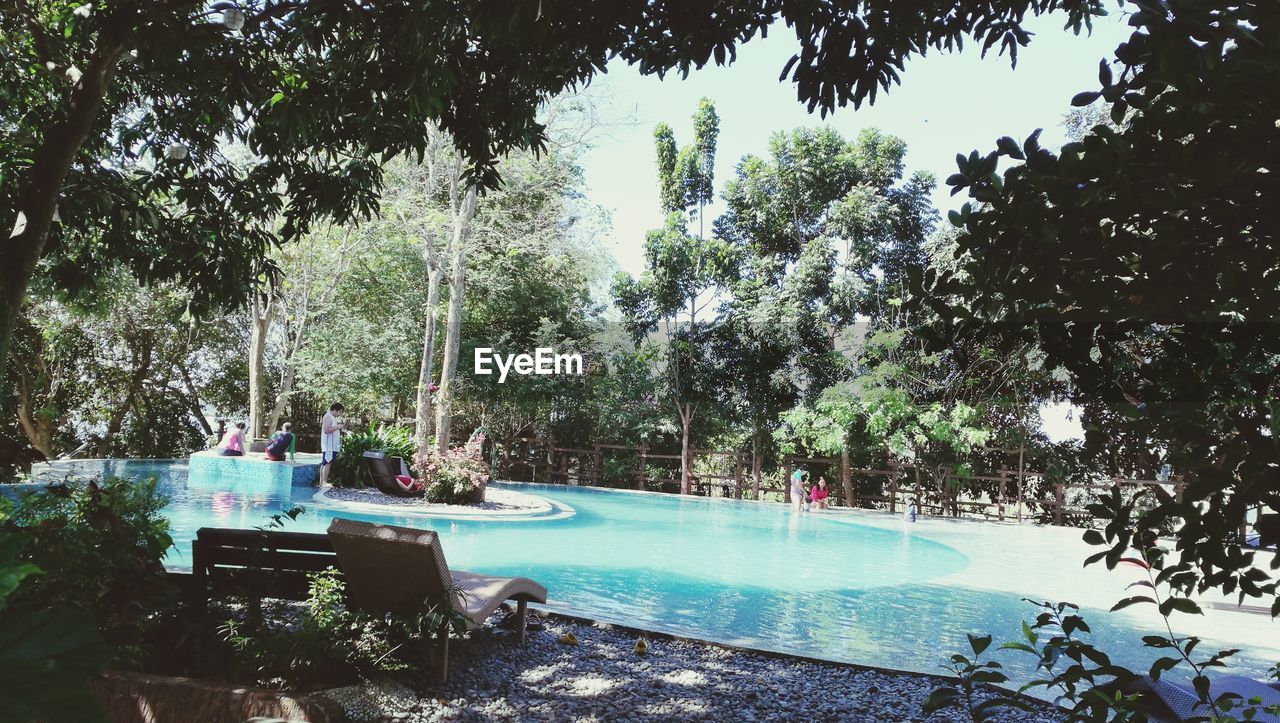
<point>281,442</point>
<point>797,487</point>
<point>818,495</point>
<point>232,444</point>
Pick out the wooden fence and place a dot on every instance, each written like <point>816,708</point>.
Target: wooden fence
<point>1011,492</point>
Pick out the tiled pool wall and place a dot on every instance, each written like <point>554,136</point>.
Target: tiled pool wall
<point>208,469</point>
<point>204,470</point>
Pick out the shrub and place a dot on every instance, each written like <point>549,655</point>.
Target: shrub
<point>81,580</point>
<point>326,643</point>
<point>349,469</point>
<point>100,548</point>
<point>458,477</point>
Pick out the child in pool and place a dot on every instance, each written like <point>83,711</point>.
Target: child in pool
<point>818,495</point>
<point>797,488</point>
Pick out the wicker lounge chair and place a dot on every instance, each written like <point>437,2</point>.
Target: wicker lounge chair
<point>393,569</point>
<point>1175,702</point>
<point>383,473</point>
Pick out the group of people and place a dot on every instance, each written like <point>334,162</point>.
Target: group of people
<point>818,497</point>
<point>283,442</point>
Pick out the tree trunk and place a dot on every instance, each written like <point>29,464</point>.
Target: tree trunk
<point>37,428</point>
<point>422,427</point>
<point>259,326</point>
<point>193,399</point>
<point>282,398</point>
<point>845,478</point>
<point>287,375</point>
<point>453,332</point>
<point>755,466</point>
<point>43,184</point>
<point>686,418</point>
<point>142,367</point>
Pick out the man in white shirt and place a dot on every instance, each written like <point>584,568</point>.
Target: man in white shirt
<point>330,440</point>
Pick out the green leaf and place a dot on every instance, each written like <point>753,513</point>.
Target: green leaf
<point>979,643</point>
<point>1162,665</point>
<point>1019,646</point>
<point>46,660</point>
<point>1181,604</point>
<point>939,699</point>
<point>1132,601</point>
<point>1086,98</point>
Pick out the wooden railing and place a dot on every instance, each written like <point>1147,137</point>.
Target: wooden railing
<point>1011,491</point>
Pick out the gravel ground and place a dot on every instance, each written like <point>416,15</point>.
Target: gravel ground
<point>494,500</point>
<point>603,678</point>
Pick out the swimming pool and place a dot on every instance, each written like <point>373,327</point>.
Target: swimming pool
<point>859,587</point>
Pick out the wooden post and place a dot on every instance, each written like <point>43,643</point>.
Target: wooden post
<point>845,480</point>
<point>1059,501</point>
<point>597,466</point>
<point>522,619</point>
<point>1022,474</point>
<point>644,449</point>
<point>442,655</point>
<point>919,497</point>
<point>893,489</point>
<point>755,475</point>
<point>786,472</point>
<point>737,476</point>
<point>1004,475</point>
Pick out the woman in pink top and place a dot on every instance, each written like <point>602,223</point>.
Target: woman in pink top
<point>232,444</point>
<point>818,494</point>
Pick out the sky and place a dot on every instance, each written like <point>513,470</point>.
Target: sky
<point>947,103</point>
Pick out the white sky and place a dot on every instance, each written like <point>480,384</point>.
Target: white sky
<point>947,103</point>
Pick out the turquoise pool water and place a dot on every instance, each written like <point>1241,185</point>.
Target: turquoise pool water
<point>864,588</point>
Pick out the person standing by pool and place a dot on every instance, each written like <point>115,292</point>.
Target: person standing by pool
<point>797,487</point>
<point>818,495</point>
<point>280,443</point>
<point>330,440</point>
<point>910,514</point>
<point>232,444</point>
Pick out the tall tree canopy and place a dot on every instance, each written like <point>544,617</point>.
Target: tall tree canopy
<point>113,113</point>
<point>1144,260</point>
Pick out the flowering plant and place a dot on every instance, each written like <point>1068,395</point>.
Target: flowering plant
<point>458,476</point>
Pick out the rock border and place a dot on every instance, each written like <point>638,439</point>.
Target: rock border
<point>546,509</point>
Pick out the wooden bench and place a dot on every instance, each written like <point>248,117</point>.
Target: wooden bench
<point>257,563</point>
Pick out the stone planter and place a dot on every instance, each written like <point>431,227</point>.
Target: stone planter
<point>142,698</point>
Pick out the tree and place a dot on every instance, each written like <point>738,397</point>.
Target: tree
<point>113,100</point>
<point>462,208</point>
<point>413,209</point>
<point>681,270</point>
<point>823,229</point>
<point>129,375</point>
<point>1143,260</point>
